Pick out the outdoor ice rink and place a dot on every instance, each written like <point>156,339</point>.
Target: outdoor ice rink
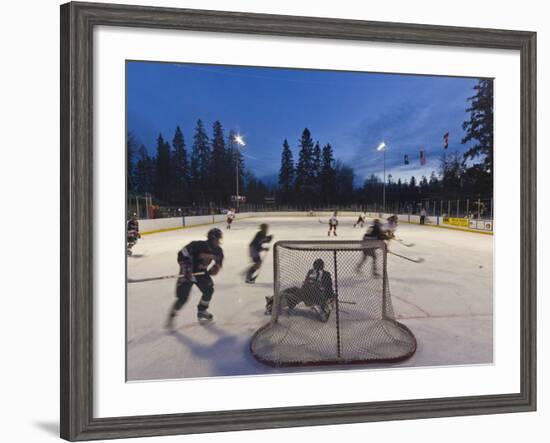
<point>447,300</point>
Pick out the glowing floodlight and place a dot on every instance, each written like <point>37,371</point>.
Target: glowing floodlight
<point>239,140</point>
<point>381,146</point>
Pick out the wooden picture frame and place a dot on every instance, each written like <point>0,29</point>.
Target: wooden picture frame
<point>77,218</point>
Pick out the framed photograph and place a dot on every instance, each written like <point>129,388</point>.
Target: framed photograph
<point>273,221</point>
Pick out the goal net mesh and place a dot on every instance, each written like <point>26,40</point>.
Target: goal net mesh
<point>331,305</point>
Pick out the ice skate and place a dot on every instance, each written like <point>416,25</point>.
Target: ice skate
<point>323,315</point>
<point>204,315</point>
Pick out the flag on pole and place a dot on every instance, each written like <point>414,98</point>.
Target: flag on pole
<point>446,139</point>
<point>406,159</point>
<point>422,157</point>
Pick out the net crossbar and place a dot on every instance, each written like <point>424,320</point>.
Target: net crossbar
<point>331,305</point>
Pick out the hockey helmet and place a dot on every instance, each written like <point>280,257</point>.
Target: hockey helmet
<point>214,233</point>
<point>319,264</point>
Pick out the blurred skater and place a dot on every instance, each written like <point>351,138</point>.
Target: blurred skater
<point>255,248</point>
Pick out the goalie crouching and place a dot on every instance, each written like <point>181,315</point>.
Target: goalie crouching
<point>316,292</point>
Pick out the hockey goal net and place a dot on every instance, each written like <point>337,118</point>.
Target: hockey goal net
<point>331,305</point>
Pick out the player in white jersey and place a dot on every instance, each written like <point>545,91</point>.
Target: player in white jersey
<point>332,224</point>
<point>230,217</point>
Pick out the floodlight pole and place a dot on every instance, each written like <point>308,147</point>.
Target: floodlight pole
<point>382,147</point>
<point>240,142</point>
<point>384,188</point>
<point>237,169</point>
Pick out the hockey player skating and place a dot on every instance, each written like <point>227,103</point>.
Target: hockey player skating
<point>230,216</point>
<point>374,232</point>
<point>361,220</point>
<point>196,268</point>
<point>391,226</point>
<point>332,224</point>
<point>255,248</point>
<point>132,233</point>
<point>316,292</point>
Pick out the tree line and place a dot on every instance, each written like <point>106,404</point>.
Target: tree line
<point>206,174</point>
<point>318,179</point>
<point>174,176</point>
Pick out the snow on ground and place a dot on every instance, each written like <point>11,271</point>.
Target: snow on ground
<point>447,301</point>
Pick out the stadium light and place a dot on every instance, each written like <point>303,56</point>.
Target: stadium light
<point>381,147</point>
<point>239,140</point>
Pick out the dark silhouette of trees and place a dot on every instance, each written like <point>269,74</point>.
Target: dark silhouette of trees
<point>180,170</point>
<point>162,170</point>
<point>286,174</point>
<point>328,176</point>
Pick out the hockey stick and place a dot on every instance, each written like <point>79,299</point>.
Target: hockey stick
<point>347,302</point>
<point>413,259</point>
<point>141,280</point>
<point>404,243</point>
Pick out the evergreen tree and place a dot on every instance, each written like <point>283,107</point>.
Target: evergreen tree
<point>219,170</point>
<point>256,190</point>
<point>344,183</point>
<point>304,170</point>
<point>316,165</point>
<point>423,184</point>
<point>131,152</point>
<point>372,190</point>
<point>412,191</point>
<point>286,174</point>
<point>452,169</point>
<point>180,169</point>
<point>144,172</point>
<point>328,175</point>
<point>399,186</point>
<point>479,128</point>
<point>162,170</point>
<point>200,164</point>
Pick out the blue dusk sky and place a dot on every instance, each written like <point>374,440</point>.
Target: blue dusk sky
<point>353,111</point>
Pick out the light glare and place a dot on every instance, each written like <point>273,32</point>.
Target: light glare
<point>239,140</point>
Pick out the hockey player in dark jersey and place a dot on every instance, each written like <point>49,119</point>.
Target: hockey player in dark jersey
<point>255,248</point>
<point>361,219</point>
<point>132,228</point>
<point>196,268</point>
<point>374,232</point>
<point>316,292</point>
<point>391,226</point>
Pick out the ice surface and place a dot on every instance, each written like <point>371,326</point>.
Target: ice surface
<point>447,301</point>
